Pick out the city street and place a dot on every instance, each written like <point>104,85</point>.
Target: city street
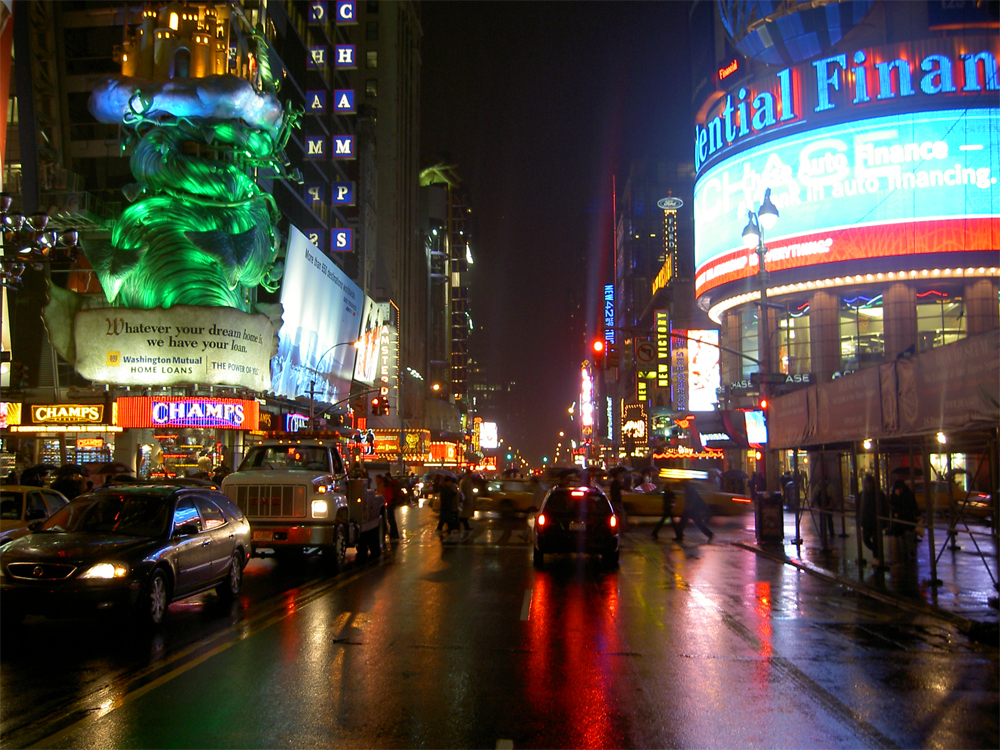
<point>464,643</point>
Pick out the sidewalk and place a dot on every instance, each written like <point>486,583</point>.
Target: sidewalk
<point>966,595</point>
<point>966,592</point>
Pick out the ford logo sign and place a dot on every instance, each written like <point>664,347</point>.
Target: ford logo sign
<point>669,203</point>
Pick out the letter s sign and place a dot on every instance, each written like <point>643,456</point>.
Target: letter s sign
<point>343,240</point>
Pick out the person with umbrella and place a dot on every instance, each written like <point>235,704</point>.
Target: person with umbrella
<point>447,502</point>
<point>70,480</point>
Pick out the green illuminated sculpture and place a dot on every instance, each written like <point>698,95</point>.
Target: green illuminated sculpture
<point>201,231</point>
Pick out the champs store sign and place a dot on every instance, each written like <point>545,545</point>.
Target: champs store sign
<point>936,74</point>
<point>58,418</point>
<point>218,413</point>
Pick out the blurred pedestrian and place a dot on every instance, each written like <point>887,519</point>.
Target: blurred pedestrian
<point>647,485</point>
<point>873,504</point>
<point>903,524</point>
<point>447,504</point>
<point>822,500</point>
<point>668,510</point>
<point>466,499</point>
<point>70,485</point>
<point>695,509</point>
<point>389,490</point>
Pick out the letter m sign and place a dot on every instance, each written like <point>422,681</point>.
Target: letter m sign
<point>343,147</point>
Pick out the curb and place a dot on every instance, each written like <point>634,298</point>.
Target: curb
<point>975,629</point>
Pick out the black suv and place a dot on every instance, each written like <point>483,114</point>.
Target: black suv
<point>576,519</point>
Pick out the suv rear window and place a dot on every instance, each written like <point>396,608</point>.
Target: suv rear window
<point>574,501</point>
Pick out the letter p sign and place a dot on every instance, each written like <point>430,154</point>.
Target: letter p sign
<point>343,193</point>
<point>343,240</point>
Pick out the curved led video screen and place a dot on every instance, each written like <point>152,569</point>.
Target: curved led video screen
<point>898,185</point>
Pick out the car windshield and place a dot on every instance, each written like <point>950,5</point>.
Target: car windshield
<point>295,457</point>
<point>130,515</point>
<point>577,502</point>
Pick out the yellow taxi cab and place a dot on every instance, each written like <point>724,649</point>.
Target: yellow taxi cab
<point>719,503</point>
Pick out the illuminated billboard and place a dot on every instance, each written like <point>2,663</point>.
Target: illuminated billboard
<point>704,370</point>
<point>220,413</point>
<point>373,328</point>
<point>488,436</point>
<point>874,188</point>
<point>320,321</point>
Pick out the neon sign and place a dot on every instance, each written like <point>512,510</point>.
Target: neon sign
<point>845,192</point>
<point>729,69</point>
<point>874,76</point>
<point>220,413</point>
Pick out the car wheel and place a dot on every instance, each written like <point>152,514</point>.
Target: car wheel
<point>338,550</point>
<point>610,558</point>
<point>153,607</point>
<point>230,587</point>
<point>538,557</point>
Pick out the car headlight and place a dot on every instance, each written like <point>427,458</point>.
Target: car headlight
<point>320,508</point>
<point>106,570</point>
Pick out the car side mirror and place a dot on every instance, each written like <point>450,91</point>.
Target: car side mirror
<point>186,529</point>
<point>35,525</point>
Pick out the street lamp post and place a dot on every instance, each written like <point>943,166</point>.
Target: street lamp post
<point>758,222</point>
<point>401,387</point>
<point>312,383</point>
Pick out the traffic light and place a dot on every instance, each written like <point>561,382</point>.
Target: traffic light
<point>599,359</point>
<point>380,406</point>
<point>18,375</point>
<point>612,355</point>
<point>763,403</point>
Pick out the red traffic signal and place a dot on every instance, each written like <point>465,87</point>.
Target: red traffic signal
<point>598,347</point>
<point>764,403</point>
<point>758,455</point>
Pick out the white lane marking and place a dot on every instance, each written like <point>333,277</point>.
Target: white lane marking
<point>505,744</point>
<point>526,606</point>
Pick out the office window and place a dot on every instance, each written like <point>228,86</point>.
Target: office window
<point>940,319</point>
<point>748,340</point>
<point>371,59</point>
<point>371,87</point>
<point>862,343</point>
<point>794,356</point>
<point>371,30</point>
<point>373,6</point>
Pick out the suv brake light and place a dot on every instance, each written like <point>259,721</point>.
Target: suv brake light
<point>541,520</point>
<point>613,521</point>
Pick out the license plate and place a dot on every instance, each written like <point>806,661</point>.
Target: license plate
<point>577,525</point>
<point>263,536</point>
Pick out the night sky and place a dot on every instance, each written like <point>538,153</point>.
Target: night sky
<point>539,105</point>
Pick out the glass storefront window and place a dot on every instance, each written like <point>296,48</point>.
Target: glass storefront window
<point>748,340</point>
<point>793,342</point>
<point>862,343</point>
<point>940,319</point>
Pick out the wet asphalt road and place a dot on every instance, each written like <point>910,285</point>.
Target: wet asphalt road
<point>466,644</point>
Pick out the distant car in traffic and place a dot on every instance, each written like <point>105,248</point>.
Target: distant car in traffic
<point>509,496</point>
<point>21,505</point>
<point>576,519</point>
<point>719,503</point>
<point>127,549</point>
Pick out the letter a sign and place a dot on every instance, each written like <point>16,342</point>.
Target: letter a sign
<point>343,240</point>
<point>316,102</point>
<point>343,101</point>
